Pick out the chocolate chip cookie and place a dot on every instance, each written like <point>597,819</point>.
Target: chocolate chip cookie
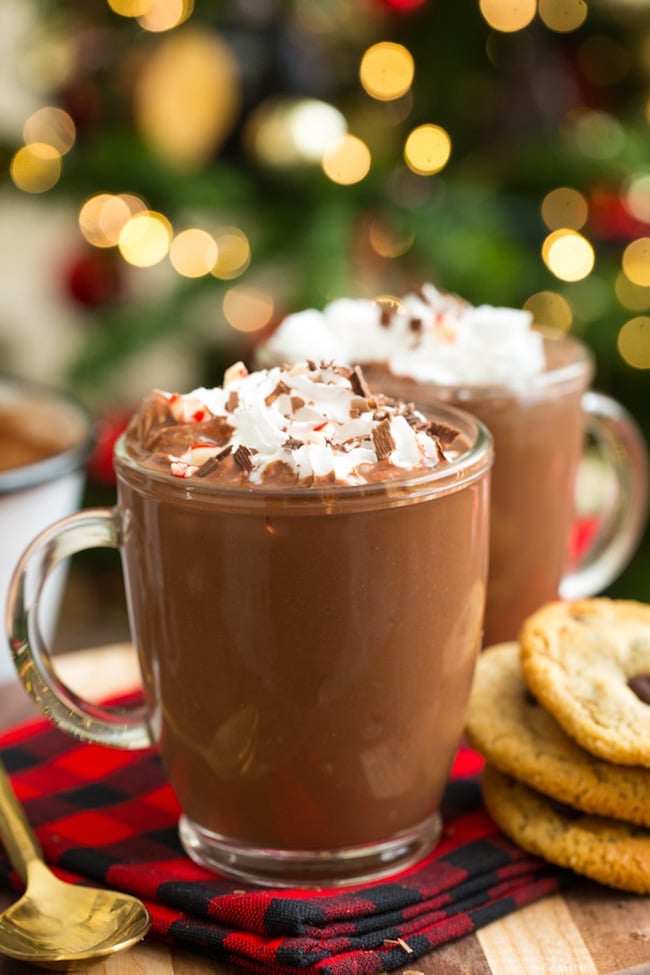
<point>607,850</point>
<point>519,737</point>
<point>588,663</point>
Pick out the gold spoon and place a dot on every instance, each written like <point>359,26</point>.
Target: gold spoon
<point>57,924</point>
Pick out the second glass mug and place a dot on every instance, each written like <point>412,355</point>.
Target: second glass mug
<point>539,426</point>
<point>306,655</point>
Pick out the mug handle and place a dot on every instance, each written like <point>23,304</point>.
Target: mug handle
<point>623,507</point>
<point>123,727</point>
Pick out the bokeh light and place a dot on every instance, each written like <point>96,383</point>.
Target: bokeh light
<point>52,126</point>
<point>386,70</point>
<point>145,239</point>
<point>562,16</point>
<point>636,261</point>
<point>564,207</point>
<point>164,15</point>
<point>636,297</point>
<point>634,342</point>
<point>247,309</point>
<point>233,253</point>
<point>636,197</point>
<point>193,252</point>
<point>550,308</point>
<point>36,168</point>
<point>387,241</point>
<point>290,132</point>
<point>596,134</point>
<point>427,149</point>
<point>568,255</point>
<point>508,15</point>
<point>130,8</point>
<point>347,161</point>
<point>102,217</point>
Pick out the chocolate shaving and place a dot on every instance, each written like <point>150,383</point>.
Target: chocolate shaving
<point>359,383</point>
<point>640,684</point>
<point>280,389</point>
<point>358,405</point>
<point>312,365</point>
<point>383,439</point>
<point>213,462</point>
<point>442,432</point>
<point>386,315</point>
<point>232,402</point>
<point>415,324</point>
<point>297,403</point>
<point>293,444</point>
<point>242,457</point>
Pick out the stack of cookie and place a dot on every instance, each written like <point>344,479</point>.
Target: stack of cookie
<point>563,720</point>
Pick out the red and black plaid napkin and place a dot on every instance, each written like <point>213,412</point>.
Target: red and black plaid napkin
<point>109,816</point>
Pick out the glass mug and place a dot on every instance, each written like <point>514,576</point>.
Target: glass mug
<point>306,656</point>
<point>46,437</point>
<point>539,426</point>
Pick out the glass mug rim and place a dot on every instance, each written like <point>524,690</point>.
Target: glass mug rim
<point>467,467</point>
<point>581,367</point>
<point>61,463</point>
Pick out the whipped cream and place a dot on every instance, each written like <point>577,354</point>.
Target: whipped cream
<point>431,337</point>
<point>304,424</point>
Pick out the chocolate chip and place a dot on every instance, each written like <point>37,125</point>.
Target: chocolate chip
<point>640,684</point>
<point>359,383</point>
<point>383,439</point>
<point>242,457</point>
<point>442,432</point>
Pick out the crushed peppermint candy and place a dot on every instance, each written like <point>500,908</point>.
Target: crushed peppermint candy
<point>429,336</point>
<point>307,423</point>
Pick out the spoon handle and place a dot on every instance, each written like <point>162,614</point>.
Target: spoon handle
<point>19,841</point>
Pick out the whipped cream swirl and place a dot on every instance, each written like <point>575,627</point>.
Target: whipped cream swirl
<point>302,424</point>
<point>431,337</point>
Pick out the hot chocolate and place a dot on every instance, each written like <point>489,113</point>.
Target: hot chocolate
<point>528,387</point>
<point>305,571</point>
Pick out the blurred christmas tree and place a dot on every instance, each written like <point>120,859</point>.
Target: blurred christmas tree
<point>228,162</point>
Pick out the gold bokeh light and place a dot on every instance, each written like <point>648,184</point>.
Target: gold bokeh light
<point>164,15</point>
<point>563,16</point>
<point>347,161</point>
<point>247,309</point>
<point>550,308</point>
<point>636,197</point>
<point>568,255</point>
<point>387,241</point>
<point>51,126</point>
<point>233,253</point>
<point>508,16</point>
<point>427,149</point>
<point>145,239</point>
<point>193,252</point>
<point>36,168</point>
<point>386,71</point>
<point>130,8</point>
<point>636,297</point>
<point>634,342</point>
<point>102,217</point>
<point>636,261</point>
<point>293,131</point>
<point>564,207</point>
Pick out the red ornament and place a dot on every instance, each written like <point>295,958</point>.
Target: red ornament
<point>401,6</point>
<point>94,278</point>
<point>110,425</point>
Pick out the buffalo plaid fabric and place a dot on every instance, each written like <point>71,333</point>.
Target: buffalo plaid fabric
<point>109,817</point>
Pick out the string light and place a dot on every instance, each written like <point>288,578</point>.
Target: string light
<point>193,252</point>
<point>563,16</point>
<point>427,149</point>
<point>347,161</point>
<point>636,297</point>
<point>508,16</point>
<point>145,238</point>
<point>130,8</point>
<point>636,197</point>
<point>233,253</point>
<point>164,15</point>
<point>247,309</point>
<point>568,255</point>
<point>386,71</point>
<point>634,342</point>
<point>550,308</point>
<point>36,168</point>
<point>51,126</point>
<point>564,207</point>
<point>636,261</point>
<point>102,217</point>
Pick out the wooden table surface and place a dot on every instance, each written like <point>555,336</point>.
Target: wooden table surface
<point>589,930</point>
